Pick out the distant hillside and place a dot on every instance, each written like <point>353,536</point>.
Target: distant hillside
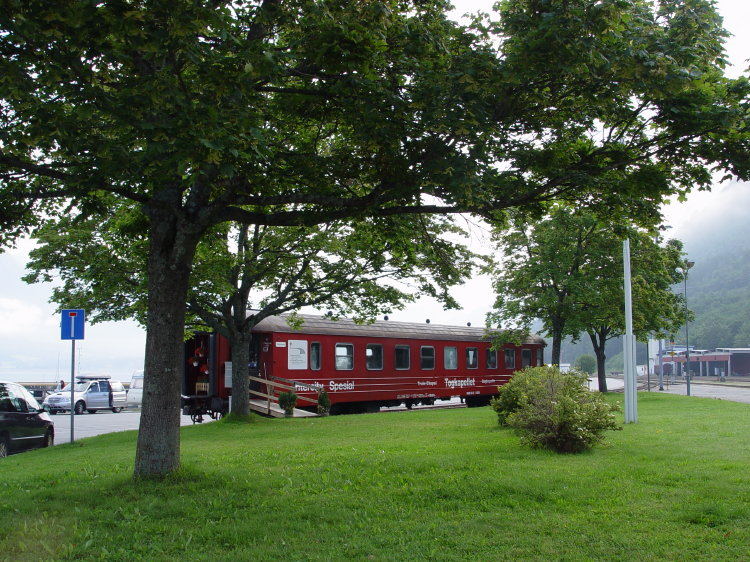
<point>719,295</point>
<point>718,241</point>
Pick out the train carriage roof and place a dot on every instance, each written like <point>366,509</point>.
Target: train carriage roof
<point>379,329</point>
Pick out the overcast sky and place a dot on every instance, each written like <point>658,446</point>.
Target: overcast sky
<point>29,328</point>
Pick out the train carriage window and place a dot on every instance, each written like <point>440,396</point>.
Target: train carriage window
<point>450,357</point>
<point>401,358</point>
<point>525,358</point>
<point>426,357</point>
<point>315,356</point>
<point>374,356</point>
<point>491,358</point>
<point>344,357</point>
<point>539,357</point>
<point>472,357</point>
<point>510,358</point>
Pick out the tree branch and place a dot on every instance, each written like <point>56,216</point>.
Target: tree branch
<point>314,217</point>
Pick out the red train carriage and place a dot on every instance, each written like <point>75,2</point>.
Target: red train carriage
<point>363,367</point>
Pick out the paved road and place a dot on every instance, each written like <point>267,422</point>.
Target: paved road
<point>612,384</point>
<point>722,392</point>
<point>88,425</point>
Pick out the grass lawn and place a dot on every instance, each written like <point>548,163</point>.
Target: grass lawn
<point>444,484</point>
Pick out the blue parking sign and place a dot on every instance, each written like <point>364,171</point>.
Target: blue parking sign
<point>72,324</point>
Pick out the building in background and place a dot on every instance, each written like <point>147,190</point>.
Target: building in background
<point>723,361</point>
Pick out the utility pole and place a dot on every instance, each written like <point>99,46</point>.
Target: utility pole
<point>685,269</point>
<point>661,365</point>
<point>631,398</point>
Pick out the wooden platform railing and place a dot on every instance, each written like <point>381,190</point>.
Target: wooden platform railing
<point>278,382</point>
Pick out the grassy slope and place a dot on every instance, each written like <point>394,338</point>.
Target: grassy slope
<point>433,484</point>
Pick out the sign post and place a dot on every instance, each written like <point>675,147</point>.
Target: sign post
<point>72,327</point>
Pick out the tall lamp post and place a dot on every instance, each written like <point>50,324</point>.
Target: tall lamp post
<point>688,264</point>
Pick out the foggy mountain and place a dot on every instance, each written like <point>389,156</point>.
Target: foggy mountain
<point>718,287</point>
<point>717,239</point>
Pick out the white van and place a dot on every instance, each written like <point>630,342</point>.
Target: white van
<point>135,392</point>
<point>91,393</point>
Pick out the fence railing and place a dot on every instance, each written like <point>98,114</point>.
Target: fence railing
<point>273,383</point>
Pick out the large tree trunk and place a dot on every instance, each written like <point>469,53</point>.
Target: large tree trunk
<point>556,347</point>
<point>599,343</point>
<point>601,359</point>
<point>240,344</point>
<point>171,251</point>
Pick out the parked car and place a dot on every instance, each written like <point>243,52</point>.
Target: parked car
<point>91,393</point>
<point>23,423</point>
<point>135,392</point>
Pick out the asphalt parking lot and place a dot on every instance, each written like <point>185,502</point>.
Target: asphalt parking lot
<point>88,425</point>
<point>722,392</point>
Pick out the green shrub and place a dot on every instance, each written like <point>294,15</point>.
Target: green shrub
<point>324,403</point>
<point>514,394</point>
<point>287,402</point>
<point>586,363</point>
<point>554,410</point>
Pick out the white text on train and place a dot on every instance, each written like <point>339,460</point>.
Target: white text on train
<point>334,386</point>
<point>459,383</point>
<point>312,387</point>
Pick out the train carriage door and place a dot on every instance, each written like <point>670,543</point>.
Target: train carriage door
<point>254,362</point>
<point>296,355</point>
<point>265,364</point>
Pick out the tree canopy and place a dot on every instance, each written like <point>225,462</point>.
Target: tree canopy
<point>306,112</point>
<point>566,270</point>
<point>243,274</point>
<point>585,363</point>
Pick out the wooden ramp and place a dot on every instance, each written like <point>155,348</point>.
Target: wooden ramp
<point>267,403</point>
<point>261,406</point>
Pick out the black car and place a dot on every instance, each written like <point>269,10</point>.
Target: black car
<point>23,423</point>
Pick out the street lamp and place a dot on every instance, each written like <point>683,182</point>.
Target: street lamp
<point>686,266</point>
